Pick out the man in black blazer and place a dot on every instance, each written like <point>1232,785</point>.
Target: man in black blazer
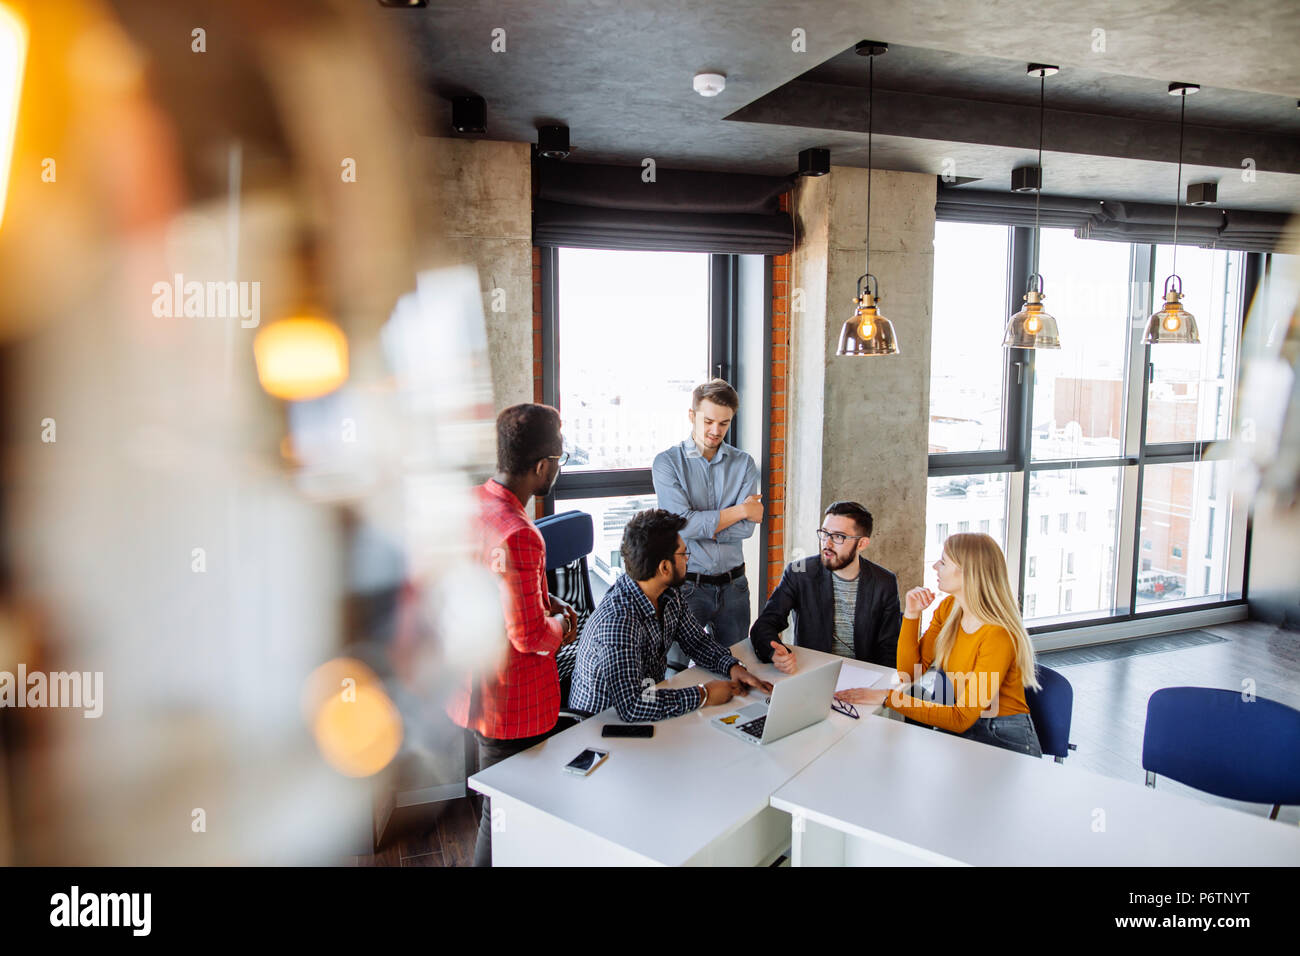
<point>843,603</point>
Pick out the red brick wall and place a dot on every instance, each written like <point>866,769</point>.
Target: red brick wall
<point>774,494</point>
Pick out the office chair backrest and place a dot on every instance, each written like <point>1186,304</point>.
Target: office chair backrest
<point>1051,708</point>
<point>1215,741</point>
<point>568,536</point>
<point>569,539</point>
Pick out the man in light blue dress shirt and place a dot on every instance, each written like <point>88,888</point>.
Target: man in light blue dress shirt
<point>713,486</point>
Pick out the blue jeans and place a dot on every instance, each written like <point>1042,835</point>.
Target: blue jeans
<point>1015,732</point>
<point>722,610</point>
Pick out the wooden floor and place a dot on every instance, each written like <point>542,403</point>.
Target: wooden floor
<point>1110,699</point>
<point>436,834</point>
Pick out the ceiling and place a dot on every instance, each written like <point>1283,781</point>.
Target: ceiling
<point>951,94</point>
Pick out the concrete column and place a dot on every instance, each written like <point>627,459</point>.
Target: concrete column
<point>859,427</point>
<point>485,197</point>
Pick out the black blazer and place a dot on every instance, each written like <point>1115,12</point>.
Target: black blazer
<point>806,589</point>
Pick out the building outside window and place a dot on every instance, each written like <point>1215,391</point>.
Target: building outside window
<point>1113,431</point>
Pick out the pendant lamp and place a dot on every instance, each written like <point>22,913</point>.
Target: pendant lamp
<point>1173,324</point>
<point>868,332</point>
<point>1033,327</point>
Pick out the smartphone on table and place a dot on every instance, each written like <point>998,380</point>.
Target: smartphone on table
<point>586,762</point>
<point>628,730</point>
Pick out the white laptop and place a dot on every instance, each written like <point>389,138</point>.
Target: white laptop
<point>796,702</point>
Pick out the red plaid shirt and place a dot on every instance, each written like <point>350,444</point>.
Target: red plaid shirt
<point>521,696</point>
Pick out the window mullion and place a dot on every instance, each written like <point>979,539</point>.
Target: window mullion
<point>1021,415</point>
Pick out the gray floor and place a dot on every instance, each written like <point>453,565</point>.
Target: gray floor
<point>1110,696</point>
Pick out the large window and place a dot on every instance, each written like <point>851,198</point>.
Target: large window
<point>954,502</point>
<point>633,343</point>
<point>1079,388</point>
<point>1109,481</point>
<point>1183,537</point>
<point>626,337</point>
<point>966,381</point>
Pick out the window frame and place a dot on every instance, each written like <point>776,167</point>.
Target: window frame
<point>1015,458</point>
<point>724,349</point>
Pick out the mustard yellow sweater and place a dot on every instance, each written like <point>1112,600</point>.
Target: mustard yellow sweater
<point>987,659</point>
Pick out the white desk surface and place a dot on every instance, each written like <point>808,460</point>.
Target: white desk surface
<point>929,794</point>
<point>670,796</point>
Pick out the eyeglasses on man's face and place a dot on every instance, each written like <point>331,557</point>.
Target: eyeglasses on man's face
<point>838,537</point>
<point>684,553</point>
<point>562,458</point>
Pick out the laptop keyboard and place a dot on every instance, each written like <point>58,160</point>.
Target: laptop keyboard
<point>755,727</point>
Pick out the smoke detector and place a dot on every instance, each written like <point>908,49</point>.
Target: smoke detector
<point>709,84</point>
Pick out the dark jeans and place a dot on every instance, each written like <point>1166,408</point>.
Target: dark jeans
<point>1015,732</point>
<point>722,610</point>
<point>492,751</point>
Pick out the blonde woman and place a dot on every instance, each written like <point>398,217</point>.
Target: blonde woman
<point>977,641</point>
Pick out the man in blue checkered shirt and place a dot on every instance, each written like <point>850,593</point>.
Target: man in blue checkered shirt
<point>624,648</point>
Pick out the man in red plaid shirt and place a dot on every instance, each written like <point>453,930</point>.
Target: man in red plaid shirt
<point>515,705</point>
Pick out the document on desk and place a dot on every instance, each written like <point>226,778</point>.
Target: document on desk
<point>853,677</point>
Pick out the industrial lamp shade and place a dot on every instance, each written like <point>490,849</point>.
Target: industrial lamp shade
<point>1172,325</point>
<point>868,332</point>
<point>1032,327</point>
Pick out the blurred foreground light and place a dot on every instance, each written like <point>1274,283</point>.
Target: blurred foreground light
<point>357,727</point>
<point>301,359</point>
<point>466,606</point>
<point>13,48</point>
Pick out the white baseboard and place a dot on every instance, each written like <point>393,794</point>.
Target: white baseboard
<point>1111,631</point>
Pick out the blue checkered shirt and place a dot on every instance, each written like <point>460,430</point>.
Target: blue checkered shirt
<point>624,653</point>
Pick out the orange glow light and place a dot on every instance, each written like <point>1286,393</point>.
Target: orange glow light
<point>359,737</point>
<point>301,359</point>
<point>13,50</point>
<point>355,724</point>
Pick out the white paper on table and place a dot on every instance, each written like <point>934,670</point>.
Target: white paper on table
<point>854,677</point>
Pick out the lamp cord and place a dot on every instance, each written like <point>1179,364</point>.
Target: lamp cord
<point>1038,193</point>
<point>1178,192</point>
<point>871,122</point>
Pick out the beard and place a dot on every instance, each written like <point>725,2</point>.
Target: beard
<point>836,563</point>
<point>678,579</point>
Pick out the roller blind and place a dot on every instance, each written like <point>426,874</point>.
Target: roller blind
<point>1121,220</point>
<point>613,207</point>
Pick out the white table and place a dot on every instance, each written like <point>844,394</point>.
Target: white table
<point>892,793</point>
<point>690,795</point>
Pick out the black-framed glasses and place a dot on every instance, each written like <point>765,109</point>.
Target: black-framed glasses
<point>843,706</point>
<point>685,553</point>
<point>839,537</point>
<point>562,458</point>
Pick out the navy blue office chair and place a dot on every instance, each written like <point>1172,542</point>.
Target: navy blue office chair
<point>569,539</point>
<point>1213,740</point>
<point>1051,708</point>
